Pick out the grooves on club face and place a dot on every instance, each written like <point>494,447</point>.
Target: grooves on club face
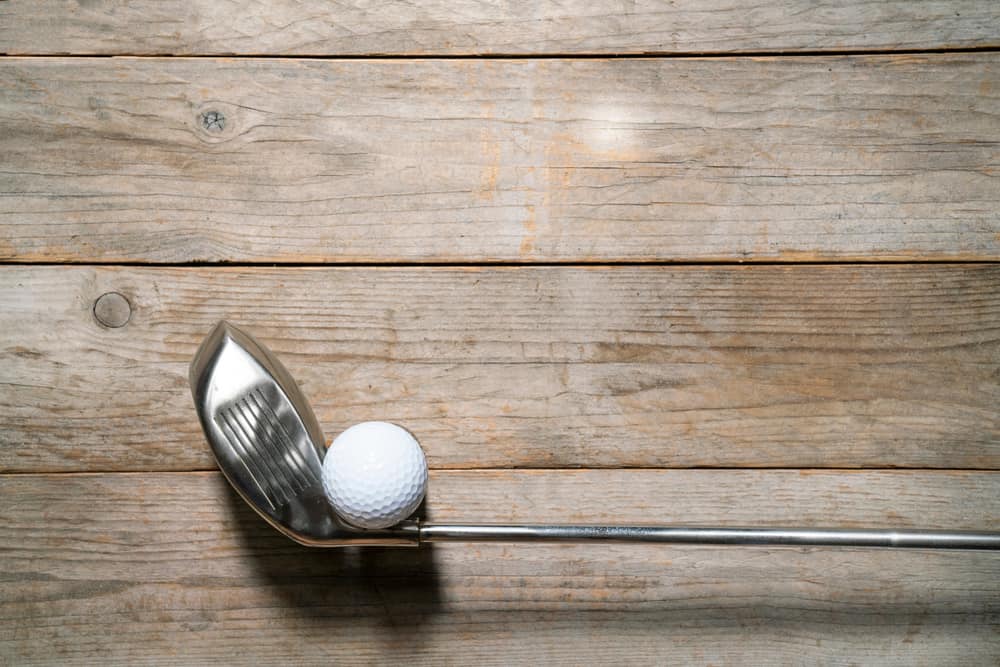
<point>268,442</point>
<point>267,450</point>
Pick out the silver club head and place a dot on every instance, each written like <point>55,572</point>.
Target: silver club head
<point>268,442</point>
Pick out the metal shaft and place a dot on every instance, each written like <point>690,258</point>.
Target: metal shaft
<point>828,537</point>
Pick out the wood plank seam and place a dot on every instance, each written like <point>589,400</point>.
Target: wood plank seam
<point>554,55</point>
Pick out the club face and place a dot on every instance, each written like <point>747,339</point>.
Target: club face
<point>267,441</point>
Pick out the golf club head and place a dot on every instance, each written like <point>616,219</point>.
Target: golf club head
<point>268,442</point>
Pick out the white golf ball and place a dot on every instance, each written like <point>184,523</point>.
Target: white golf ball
<point>374,474</point>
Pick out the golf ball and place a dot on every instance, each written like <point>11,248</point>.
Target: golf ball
<point>374,474</point>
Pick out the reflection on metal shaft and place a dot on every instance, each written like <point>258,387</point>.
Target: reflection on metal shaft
<point>831,537</point>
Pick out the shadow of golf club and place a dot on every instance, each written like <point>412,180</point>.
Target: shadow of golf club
<point>403,596</point>
<point>396,587</point>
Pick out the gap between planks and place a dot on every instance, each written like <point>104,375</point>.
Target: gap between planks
<point>555,55</point>
<point>523,469</point>
<point>498,264</point>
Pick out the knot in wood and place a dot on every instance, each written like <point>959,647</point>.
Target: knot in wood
<point>213,120</point>
<point>112,310</point>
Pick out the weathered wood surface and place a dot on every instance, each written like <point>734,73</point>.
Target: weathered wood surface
<point>175,569</point>
<point>860,158</point>
<point>314,27</point>
<point>787,366</point>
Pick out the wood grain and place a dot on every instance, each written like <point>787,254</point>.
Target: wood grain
<point>313,27</point>
<point>788,366</point>
<point>175,569</point>
<point>833,158</point>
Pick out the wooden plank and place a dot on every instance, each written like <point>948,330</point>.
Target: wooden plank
<point>314,27</point>
<point>175,569</point>
<point>787,366</point>
<point>860,158</point>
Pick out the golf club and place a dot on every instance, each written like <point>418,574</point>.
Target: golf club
<point>270,447</point>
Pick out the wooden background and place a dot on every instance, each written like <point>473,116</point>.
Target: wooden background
<point>678,262</point>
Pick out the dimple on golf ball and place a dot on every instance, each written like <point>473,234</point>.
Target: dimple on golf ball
<point>374,474</point>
